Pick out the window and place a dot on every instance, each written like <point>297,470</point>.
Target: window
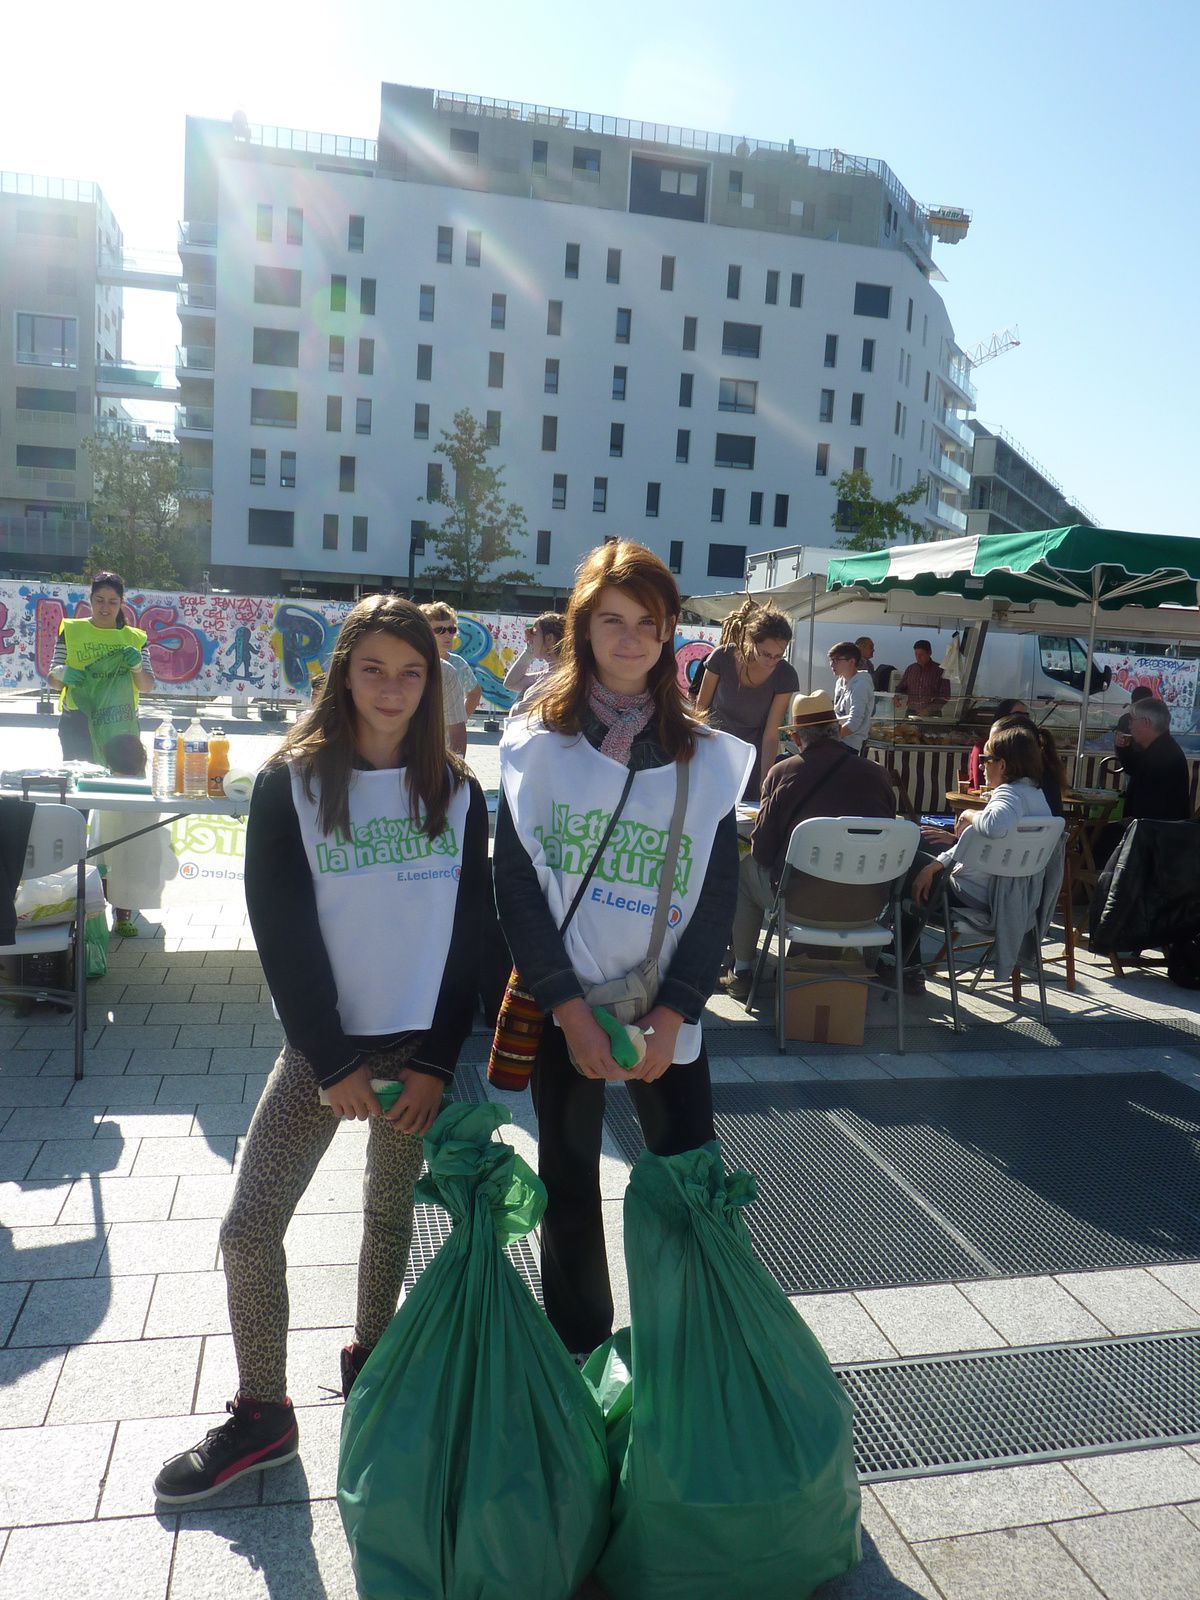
<point>366,357</point>
<point>822,461</point>
<point>333,413</point>
<point>856,410</point>
<point>329,531</point>
<point>550,382</point>
<point>295,225</point>
<point>673,180</point>
<point>362,416</point>
<point>1062,658</point>
<point>738,394</point>
<point>896,424</point>
<point>741,339</point>
<point>860,458</point>
<point>464,143</point>
<point>264,224</point>
<point>271,527</point>
<point>358,533</point>
<point>756,500</point>
<point>491,429</point>
<point>346,473</point>
<point>908,319</point>
<point>499,310</point>
<point>616,438</point>
<point>571,262</point>
<point>872,300</point>
<point>772,293</point>
<point>620,374</point>
<point>424,363</point>
<point>675,556</point>
<point>585,163</point>
<point>825,413</point>
<point>416,537</point>
<point>831,349</point>
<point>735,186</point>
<point>51,225</point>
<point>420,420</point>
<point>433,480</point>
<point>666,273</point>
<point>495,369</point>
<point>624,324</point>
<point>733,283</point>
<point>558,495</point>
<point>273,408</point>
<point>258,467</point>
<point>541,154</point>
<point>612,271</point>
<point>683,446</point>
<point>653,491</point>
<point>337,352</point>
<point>734,450</point>
<point>542,559</point>
<point>685,388</point>
<point>47,341</point>
<point>727,560</point>
<point>554,317</point>
<point>599,494</point>
<point>425,304</point>
<point>60,401</point>
<point>796,293</point>
<point>549,433</point>
<point>366,297</point>
<point>337,292</point>
<point>781,511</point>
<point>689,333</point>
<point>474,247</point>
<point>445,246</point>
<point>868,356</point>
<point>287,469</point>
<point>356,234</point>
<point>276,347</point>
<point>46,458</point>
<point>717,508</point>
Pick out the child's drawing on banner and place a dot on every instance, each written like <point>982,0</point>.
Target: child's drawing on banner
<point>1172,680</point>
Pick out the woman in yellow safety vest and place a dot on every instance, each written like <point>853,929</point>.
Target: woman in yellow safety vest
<point>89,649</point>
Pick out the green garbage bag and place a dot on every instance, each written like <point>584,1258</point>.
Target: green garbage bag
<point>106,697</point>
<point>95,943</point>
<point>733,1438</point>
<point>472,1461</point>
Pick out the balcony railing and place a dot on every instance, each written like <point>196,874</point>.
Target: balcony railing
<point>197,297</point>
<point>949,422</point>
<point>193,419</point>
<point>949,468</point>
<point>44,536</point>
<point>951,514</point>
<point>38,188</point>
<point>194,358</point>
<point>134,375</point>
<point>341,145</point>
<point>31,421</point>
<point>198,235</point>
<point>196,480</point>
<point>959,374</point>
<point>135,432</point>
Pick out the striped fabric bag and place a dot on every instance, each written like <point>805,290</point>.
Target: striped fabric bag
<point>515,1042</point>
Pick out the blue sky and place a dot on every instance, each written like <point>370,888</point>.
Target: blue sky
<point>1070,131</point>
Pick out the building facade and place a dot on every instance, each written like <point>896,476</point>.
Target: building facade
<point>1011,493</point>
<point>679,337</point>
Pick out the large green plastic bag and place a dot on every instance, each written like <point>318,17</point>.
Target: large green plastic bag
<point>737,1477</point>
<point>106,697</point>
<point>473,1459</point>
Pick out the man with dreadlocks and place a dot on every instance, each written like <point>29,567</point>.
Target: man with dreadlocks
<point>748,685</point>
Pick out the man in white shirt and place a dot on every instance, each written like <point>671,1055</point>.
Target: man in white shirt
<point>853,696</point>
<point>461,697</point>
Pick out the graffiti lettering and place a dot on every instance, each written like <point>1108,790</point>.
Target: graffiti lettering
<point>176,655</point>
<point>8,635</point>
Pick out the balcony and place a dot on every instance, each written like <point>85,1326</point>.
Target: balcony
<point>196,480</point>
<point>193,421</point>
<point>957,374</point>
<point>194,360</point>
<point>955,426</point>
<point>946,467</point>
<point>49,537</point>
<point>53,483</point>
<point>134,380</point>
<point>139,269</point>
<point>139,434</point>
<point>196,300</point>
<point>41,422</point>
<point>951,516</point>
<point>198,237</point>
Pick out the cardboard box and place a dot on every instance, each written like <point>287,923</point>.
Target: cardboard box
<point>831,1011</point>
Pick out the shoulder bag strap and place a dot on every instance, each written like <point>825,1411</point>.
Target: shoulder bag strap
<point>595,861</point>
<point>667,882</point>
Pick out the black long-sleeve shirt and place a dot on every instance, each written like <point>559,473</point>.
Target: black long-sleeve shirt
<point>1158,785</point>
<point>282,905</point>
<point>538,951</point>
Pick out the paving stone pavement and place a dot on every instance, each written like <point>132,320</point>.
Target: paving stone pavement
<point>114,1343</point>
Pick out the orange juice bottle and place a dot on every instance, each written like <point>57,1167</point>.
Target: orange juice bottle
<point>179,762</point>
<point>218,763</point>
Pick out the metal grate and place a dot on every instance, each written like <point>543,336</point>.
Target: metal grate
<point>880,1185</point>
<point>725,1038</point>
<point>1043,1403</point>
<point>431,1229</point>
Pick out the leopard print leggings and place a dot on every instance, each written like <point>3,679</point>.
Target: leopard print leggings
<point>290,1132</point>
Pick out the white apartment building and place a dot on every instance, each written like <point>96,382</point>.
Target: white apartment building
<point>673,336</point>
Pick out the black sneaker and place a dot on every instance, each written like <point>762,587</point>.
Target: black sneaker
<point>256,1436</point>
<point>354,1359</point>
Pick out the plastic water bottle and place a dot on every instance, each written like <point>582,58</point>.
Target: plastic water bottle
<point>195,760</point>
<point>162,776</point>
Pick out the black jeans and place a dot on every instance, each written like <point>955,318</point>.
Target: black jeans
<point>676,1114</point>
<point>75,736</point>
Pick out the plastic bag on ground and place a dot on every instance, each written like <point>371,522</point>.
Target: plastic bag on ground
<point>473,1461</point>
<point>733,1437</point>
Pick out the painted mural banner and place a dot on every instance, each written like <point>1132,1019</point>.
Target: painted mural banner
<point>1173,681</point>
<point>248,648</point>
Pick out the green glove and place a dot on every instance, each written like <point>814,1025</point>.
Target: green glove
<point>73,677</point>
<point>131,656</point>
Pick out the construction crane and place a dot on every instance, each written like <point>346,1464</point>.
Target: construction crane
<point>995,346</point>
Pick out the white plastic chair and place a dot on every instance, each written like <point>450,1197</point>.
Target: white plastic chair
<point>847,850</point>
<point>1021,853</point>
<point>57,839</point>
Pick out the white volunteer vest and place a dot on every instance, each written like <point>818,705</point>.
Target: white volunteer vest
<point>385,901</point>
<point>561,792</point>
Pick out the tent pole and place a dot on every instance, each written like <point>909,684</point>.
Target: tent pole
<point>1087,678</point>
<point>812,630</point>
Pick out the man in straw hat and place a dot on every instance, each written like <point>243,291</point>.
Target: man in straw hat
<point>825,780</point>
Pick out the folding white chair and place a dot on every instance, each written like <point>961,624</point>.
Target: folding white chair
<point>57,840</point>
<point>1022,853</point>
<point>843,850</point>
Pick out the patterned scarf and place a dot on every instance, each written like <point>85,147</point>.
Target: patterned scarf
<point>623,715</point>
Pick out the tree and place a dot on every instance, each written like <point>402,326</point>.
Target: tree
<point>481,524</point>
<point>866,523</point>
<point>136,511</point>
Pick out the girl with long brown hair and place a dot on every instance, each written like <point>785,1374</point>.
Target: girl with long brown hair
<point>606,739</point>
<point>366,884</point>
<point>747,684</point>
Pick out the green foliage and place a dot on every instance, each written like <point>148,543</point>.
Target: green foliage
<point>136,511</point>
<point>866,523</point>
<point>480,525</point>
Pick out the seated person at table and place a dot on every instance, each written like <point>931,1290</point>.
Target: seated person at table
<point>1054,773</point>
<point>923,683</point>
<point>1006,708</point>
<point>824,780</point>
<point>1125,720</point>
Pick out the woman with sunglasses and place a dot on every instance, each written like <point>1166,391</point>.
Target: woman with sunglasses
<point>457,703</point>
